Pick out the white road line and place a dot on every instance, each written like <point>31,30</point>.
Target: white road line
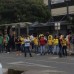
<point>53,58</point>
<point>16,62</point>
<point>52,61</point>
<point>41,60</point>
<point>30,64</point>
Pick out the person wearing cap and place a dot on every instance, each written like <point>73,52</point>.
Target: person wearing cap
<point>50,44</point>
<point>42,43</point>
<point>55,44</point>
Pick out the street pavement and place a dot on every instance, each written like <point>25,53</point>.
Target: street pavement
<point>48,64</point>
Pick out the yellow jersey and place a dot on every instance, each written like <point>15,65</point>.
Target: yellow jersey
<point>35,41</point>
<point>22,40</point>
<point>55,41</point>
<point>64,42</point>
<point>50,42</point>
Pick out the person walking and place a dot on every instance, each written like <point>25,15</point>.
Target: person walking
<point>36,44</point>
<point>64,46</point>
<point>27,46</point>
<point>50,45</point>
<point>60,46</point>
<point>42,43</point>
<point>55,44</point>
<point>5,42</point>
<point>18,46</point>
<point>22,43</point>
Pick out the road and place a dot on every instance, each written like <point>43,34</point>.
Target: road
<point>48,63</point>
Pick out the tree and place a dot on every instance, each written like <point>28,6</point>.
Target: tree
<point>23,11</point>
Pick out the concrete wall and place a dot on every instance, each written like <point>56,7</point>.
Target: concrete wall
<point>62,11</point>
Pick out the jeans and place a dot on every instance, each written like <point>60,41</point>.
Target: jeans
<point>36,49</point>
<point>56,49</point>
<point>50,49</point>
<point>60,51</point>
<point>22,47</point>
<point>64,49</point>
<point>42,49</point>
<point>27,49</point>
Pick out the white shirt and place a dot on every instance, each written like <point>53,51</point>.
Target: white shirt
<point>31,38</point>
<point>27,42</point>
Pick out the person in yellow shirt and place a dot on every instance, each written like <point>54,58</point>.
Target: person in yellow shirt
<point>22,42</point>
<point>50,44</point>
<point>35,41</point>
<point>64,46</point>
<point>50,36</point>
<point>55,44</point>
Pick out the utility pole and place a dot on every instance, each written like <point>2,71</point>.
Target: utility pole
<point>67,6</point>
<point>49,6</point>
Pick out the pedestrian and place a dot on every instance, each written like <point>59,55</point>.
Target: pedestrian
<point>31,39</point>
<point>27,46</point>
<point>42,42</point>
<point>60,46</point>
<point>64,46</point>
<point>22,43</point>
<point>11,42</point>
<point>50,45</point>
<point>18,46</point>
<point>55,45</point>
<point>68,38</point>
<point>35,41</point>
<point>5,43</point>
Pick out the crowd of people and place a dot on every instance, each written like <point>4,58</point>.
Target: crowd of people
<point>39,44</point>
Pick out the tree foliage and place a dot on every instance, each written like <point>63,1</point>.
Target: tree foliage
<point>23,11</point>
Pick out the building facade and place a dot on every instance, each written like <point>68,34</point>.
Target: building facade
<point>62,11</point>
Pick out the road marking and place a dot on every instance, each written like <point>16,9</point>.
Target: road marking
<point>53,57</point>
<point>16,62</point>
<point>29,64</point>
<point>52,61</point>
<point>41,60</point>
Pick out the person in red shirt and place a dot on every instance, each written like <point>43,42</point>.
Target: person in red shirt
<point>42,43</point>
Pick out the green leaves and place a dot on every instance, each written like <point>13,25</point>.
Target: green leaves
<point>23,11</point>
